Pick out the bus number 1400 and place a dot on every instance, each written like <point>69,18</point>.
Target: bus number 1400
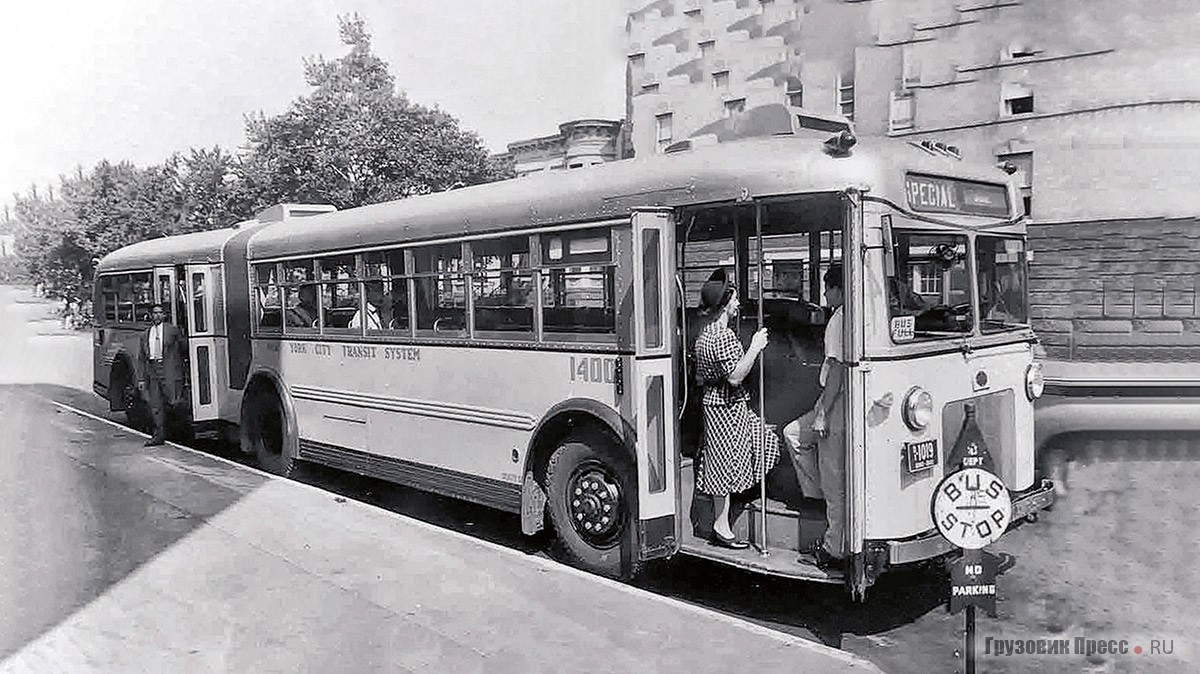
<point>594,369</point>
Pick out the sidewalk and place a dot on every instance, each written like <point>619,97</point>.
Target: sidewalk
<point>285,577</point>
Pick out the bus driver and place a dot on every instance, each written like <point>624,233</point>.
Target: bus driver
<point>821,432</point>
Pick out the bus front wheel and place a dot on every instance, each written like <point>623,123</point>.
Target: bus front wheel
<point>264,434</point>
<point>589,486</point>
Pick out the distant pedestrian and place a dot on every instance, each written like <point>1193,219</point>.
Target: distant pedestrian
<point>161,359</point>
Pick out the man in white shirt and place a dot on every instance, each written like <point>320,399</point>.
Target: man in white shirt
<point>376,297</point>
<point>161,358</point>
<point>817,440</point>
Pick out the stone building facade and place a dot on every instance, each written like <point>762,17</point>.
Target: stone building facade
<point>1096,101</point>
<point>578,143</point>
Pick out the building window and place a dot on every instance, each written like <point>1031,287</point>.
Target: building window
<point>693,14</point>
<point>794,92</point>
<point>1017,99</point>
<point>721,80</point>
<point>1020,105</point>
<point>707,47</point>
<point>926,278</point>
<point>650,88</point>
<point>845,96</point>
<point>637,65</point>
<point>662,130</point>
<point>734,107</point>
<point>1018,49</point>
<point>902,112</point>
<point>1023,161</point>
<point>911,67</point>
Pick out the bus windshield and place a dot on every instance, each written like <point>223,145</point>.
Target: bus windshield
<point>1000,262</point>
<point>932,285</point>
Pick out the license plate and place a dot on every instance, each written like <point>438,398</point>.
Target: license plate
<point>919,456</point>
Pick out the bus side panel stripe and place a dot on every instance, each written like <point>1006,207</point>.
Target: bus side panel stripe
<point>440,410</point>
<point>482,490</point>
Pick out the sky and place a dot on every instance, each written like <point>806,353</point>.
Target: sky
<point>85,80</point>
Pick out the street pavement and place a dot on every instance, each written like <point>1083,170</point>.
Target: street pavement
<point>119,558</point>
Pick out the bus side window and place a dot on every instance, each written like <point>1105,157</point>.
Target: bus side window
<point>198,293</point>
<point>386,292</point>
<point>267,294</point>
<point>108,298</point>
<point>578,286</point>
<point>441,290</point>
<point>502,287</point>
<point>339,295</point>
<point>143,296</point>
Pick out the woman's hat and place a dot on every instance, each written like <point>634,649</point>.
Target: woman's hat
<point>716,291</point>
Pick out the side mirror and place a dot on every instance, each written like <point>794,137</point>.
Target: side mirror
<point>889,246</point>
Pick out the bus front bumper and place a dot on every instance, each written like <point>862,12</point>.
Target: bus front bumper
<point>931,544</point>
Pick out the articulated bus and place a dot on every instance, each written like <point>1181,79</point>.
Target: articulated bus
<point>526,344</point>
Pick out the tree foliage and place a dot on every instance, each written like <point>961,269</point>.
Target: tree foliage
<point>352,140</point>
<point>355,140</point>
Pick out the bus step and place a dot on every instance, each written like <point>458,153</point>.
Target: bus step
<point>787,529</point>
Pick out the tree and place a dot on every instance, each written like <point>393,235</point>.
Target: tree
<point>213,191</point>
<point>354,140</point>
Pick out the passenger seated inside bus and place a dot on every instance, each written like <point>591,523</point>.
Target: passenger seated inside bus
<point>379,310</point>
<point>304,314</point>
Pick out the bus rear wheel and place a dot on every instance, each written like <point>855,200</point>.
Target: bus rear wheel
<point>264,434</point>
<point>133,401</point>
<point>590,494</point>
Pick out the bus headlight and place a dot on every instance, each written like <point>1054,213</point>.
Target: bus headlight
<point>1035,383</point>
<point>918,408</point>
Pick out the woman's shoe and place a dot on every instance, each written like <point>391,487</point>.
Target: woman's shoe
<point>731,543</point>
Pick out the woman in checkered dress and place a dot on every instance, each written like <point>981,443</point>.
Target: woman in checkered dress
<point>734,436</point>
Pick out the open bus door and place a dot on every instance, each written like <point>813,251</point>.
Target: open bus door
<point>853,256</point>
<point>651,382</point>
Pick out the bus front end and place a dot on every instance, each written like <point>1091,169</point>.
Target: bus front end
<point>946,335</point>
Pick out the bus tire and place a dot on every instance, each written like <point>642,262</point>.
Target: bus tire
<point>265,433</point>
<point>584,476</point>
<point>133,401</point>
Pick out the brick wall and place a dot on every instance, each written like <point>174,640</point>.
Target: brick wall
<point>1117,290</point>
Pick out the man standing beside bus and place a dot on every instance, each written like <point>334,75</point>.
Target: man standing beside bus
<point>161,357</point>
<point>817,440</point>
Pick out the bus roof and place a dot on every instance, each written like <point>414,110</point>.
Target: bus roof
<point>197,247</point>
<point>724,172</point>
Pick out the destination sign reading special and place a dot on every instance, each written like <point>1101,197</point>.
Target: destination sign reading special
<point>942,195</point>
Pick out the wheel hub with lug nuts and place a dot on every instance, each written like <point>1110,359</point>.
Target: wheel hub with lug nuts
<point>595,502</point>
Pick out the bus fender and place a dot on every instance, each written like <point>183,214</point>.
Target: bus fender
<point>268,377</point>
<point>557,423</point>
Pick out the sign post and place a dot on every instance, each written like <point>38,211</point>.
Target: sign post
<point>971,509</point>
